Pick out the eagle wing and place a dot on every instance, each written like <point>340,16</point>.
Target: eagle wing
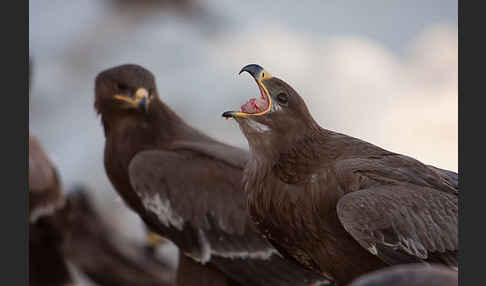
<point>403,223</point>
<point>451,177</point>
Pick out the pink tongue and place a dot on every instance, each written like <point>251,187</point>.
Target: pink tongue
<point>254,105</point>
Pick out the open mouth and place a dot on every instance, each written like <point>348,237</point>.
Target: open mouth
<point>256,105</point>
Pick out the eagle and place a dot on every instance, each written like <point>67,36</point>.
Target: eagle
<point>336,204</point>
<point>65,229</point>
<point>185,186</point>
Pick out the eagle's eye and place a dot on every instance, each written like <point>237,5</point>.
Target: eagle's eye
<point>282,98</point>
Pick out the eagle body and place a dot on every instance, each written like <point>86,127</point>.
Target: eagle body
<point>293,199</point>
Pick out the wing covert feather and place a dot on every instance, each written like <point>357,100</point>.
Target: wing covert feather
<point>402,222</point>
<point>187,189</point>
<point>194,188</point>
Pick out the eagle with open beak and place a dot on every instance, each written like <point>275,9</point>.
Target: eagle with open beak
<point>338,205</point>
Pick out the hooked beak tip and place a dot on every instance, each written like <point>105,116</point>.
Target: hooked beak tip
<point>252,69</point>
<point>228,114</point>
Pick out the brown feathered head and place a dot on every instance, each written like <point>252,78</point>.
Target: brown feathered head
<point>278,115</point>
<point>126,88</point>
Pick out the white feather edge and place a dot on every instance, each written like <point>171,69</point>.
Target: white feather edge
<point>45,210</point>
<point>162,208</point>
<point>167,216</point>
<point>208,251</point>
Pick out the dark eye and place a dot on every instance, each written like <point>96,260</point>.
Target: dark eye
<point>122,86</point>
<point>283,98</point>
<point>151,90</point>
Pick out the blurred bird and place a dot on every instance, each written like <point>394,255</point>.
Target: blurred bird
<point>66,231</point>
<point>186,186</point>
<point>47,265</point>
<point>409,275</point>
<point>103,254</point>
<point>336,204</point>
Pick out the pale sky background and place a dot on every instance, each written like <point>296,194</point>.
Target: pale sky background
<point>382,71</point>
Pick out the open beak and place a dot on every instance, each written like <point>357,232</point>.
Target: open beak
<point>259,74</point>
<point>141,99</point>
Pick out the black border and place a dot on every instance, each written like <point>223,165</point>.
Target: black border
<point>460,142</point>
<point>471,88</point>
<point>14,118</point>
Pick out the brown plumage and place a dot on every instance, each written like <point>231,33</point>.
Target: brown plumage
<point>45,195</point>
<point>102,253</point>
<point>336,204</point>
<point>67,229</point>
<point>47,265</point>
<point>185,186</point>
<point>410,275</point>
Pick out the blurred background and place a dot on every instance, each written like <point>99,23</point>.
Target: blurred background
<point>382,71</point>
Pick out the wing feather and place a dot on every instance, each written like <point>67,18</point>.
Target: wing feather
<point>393,220</point>
<point>450,177</point>
<point>191,189</point>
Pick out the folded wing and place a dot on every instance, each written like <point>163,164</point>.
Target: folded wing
<point>403,223</point>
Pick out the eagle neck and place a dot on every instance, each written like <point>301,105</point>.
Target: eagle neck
<point>291,161</point>
<point>128,133</point>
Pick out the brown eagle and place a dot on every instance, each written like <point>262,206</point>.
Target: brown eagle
<point>185,186</point>
<point>339,205</point>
